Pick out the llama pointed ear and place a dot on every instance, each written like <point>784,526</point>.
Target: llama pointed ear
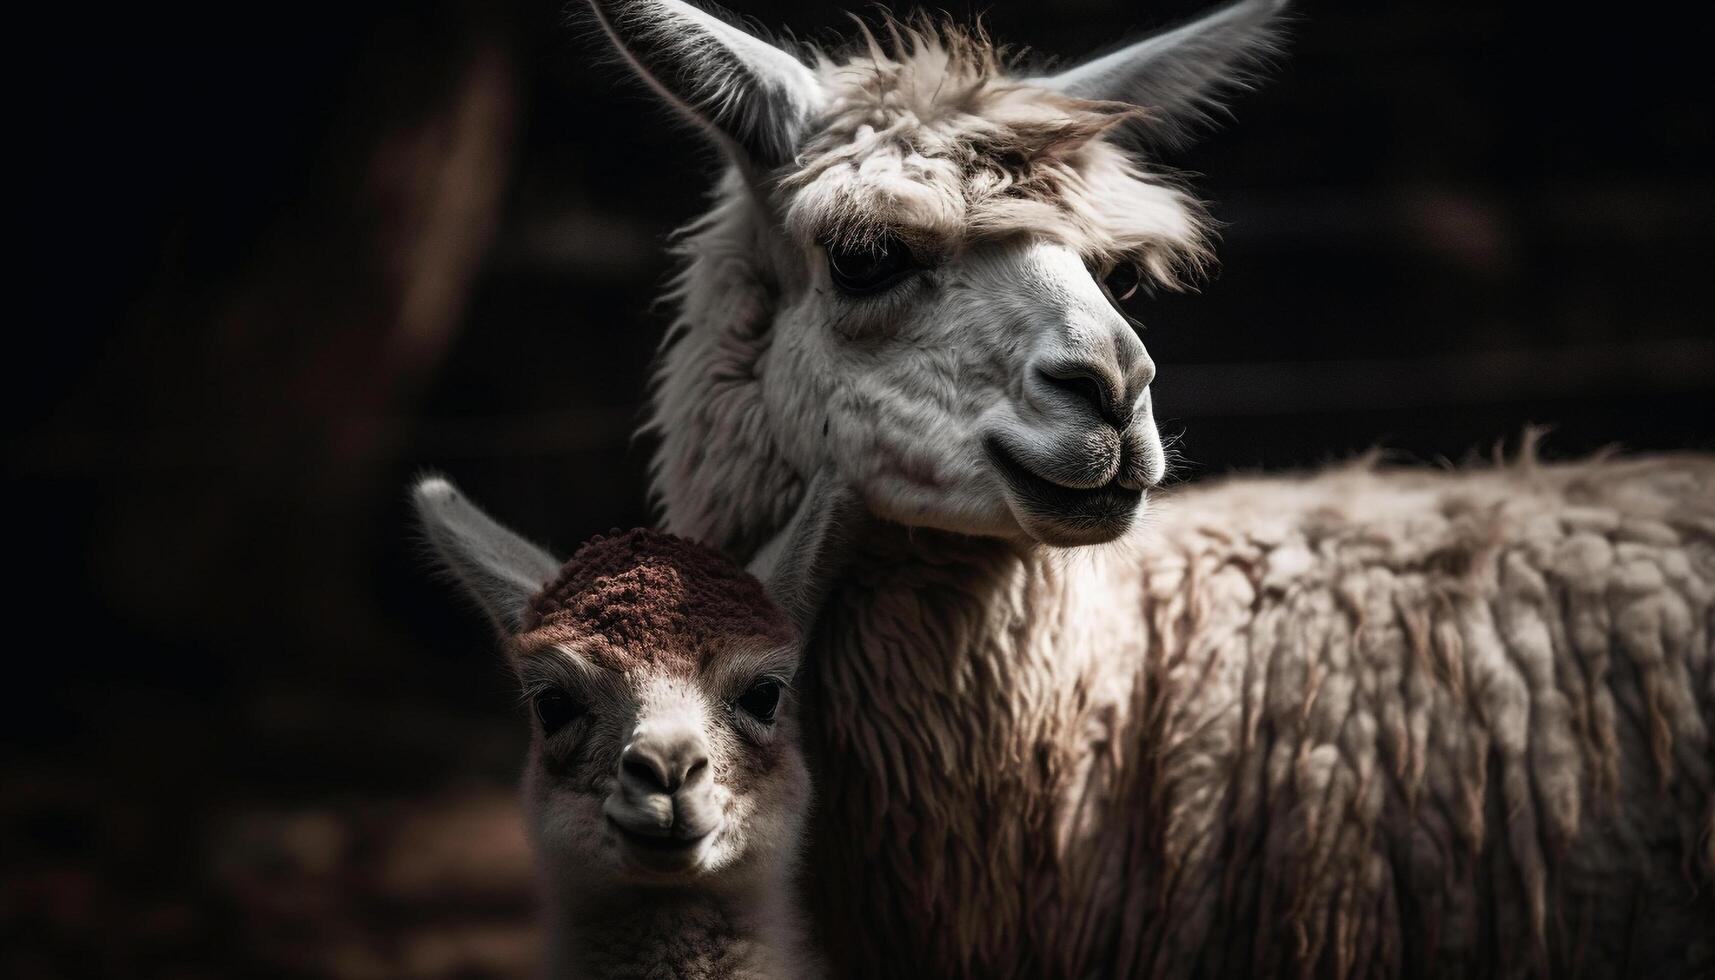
<point>499,569</point>
<point>752,96</point>
<point>1179,74</point>
<point>798,565</point>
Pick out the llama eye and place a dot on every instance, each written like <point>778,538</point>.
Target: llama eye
<point>870,267</point>
<point>1122,281</point>
<point>555,710</point>
<point>762,700</point>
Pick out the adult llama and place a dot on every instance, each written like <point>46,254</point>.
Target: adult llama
<point>1360,723</point>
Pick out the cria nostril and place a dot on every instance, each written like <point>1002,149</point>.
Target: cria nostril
<point>663,765</point>
<point>646,774</point>
<point>696,769</point>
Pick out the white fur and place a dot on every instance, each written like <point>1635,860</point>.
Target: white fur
<point>1362,723</point>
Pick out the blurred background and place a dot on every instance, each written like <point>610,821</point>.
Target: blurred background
<point>278,259</point>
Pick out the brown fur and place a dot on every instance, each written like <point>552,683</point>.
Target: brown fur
<point>642,597</point>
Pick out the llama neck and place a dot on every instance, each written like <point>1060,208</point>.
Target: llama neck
<point>692,933</point>
<point>708,418</point>
<point>966,716</point>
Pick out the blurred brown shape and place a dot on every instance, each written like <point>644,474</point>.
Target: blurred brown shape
<point>417,888</point>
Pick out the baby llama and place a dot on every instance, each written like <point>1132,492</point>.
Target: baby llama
<point>665,792</point>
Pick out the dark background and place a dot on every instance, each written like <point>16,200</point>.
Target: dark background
<point>276,259</point>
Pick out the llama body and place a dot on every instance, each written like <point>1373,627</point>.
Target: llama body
<point>1454,724</point>
<point>666,792</point>
<point>1364,723</point>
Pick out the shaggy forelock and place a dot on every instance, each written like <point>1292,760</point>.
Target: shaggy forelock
<point>925,135</point>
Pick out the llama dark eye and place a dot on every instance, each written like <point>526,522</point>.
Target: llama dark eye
<point>1122,281</point>
<point>555,710</point>
<point>762,700</point>
<point>870,267</point>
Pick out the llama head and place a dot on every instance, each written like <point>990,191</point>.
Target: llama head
<point>912,271</point>
<point>657,674</point>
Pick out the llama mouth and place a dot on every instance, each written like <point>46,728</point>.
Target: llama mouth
<point>667,844</point>
<point>659,854</point>
<point>1110,506</point>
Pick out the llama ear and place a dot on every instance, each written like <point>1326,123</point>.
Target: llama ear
<point>752,96</point>
<point>798,565</point>
<point>1179,74</point>
<point>497,567</point>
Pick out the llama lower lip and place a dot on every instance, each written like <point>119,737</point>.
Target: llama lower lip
<point>657,855</point>
<point>666,844</point>
<point>1108,504</point>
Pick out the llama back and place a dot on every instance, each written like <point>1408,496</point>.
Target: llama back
<point>1407,721</point>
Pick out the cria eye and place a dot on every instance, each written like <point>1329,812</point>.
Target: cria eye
<point>555,710</point>
<point>762,700</point>
<point>1122,281</point>
<point>870,267</point>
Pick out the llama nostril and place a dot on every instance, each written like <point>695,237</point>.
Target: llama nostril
<point>645,774</point>
<point>662,766</point>
<point>1091,385</point>
<point>1084,389</point>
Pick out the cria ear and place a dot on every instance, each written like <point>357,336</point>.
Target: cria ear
<point>497,567</point>
<point>1179,74</point>
<point>752,96</point>
<point>798,565</point>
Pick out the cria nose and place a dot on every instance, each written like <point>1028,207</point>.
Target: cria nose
<point>663,764</point>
